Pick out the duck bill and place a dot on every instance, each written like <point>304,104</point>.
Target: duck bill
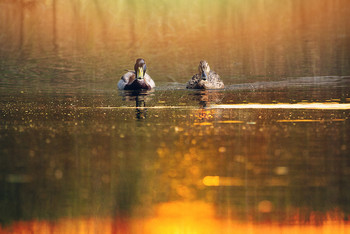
<point>204,76</point>
<point>139,73</point>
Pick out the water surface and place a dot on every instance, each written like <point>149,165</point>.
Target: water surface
<point>268,154</point>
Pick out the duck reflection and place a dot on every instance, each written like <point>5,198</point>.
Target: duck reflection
<point>207,97</point>
<point>139,97</point>
<point>141,110</point>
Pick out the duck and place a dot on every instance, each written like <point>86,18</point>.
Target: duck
<point>137,79</point>
<point>205,79</point>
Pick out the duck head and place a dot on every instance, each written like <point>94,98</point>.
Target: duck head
<point>140,68</point>
<point>204,69</point>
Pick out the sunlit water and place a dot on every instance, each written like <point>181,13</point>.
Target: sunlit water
<point>268,154</point>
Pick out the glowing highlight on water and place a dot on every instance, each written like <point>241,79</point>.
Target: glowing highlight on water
<point>314,105</point>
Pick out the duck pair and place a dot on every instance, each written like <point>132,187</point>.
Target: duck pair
<point>139,79</point>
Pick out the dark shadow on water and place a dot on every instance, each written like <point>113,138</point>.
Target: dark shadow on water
<point>54,27</point>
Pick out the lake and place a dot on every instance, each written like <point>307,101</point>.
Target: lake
<point>270,153</point>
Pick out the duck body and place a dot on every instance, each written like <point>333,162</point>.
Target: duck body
<point>138,79</point>
<point>212,82</point>
<point>129,82</point>
<point>205,79</point>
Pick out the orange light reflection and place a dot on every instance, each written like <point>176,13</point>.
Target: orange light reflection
<point>177,217</point>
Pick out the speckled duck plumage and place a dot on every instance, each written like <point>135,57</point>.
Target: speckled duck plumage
<point>137,79</point>
<point>205,79</point>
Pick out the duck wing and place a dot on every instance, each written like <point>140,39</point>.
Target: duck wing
<point>215,80</point>
<point>149,81</point>
<point>126,79</point>
<point>193,82</point>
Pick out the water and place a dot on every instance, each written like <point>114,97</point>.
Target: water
<point>269,153</point>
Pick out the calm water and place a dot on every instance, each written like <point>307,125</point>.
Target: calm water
<point>268,154</point>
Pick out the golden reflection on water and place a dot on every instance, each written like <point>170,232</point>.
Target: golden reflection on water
<point>210,170</point>
<point>206,113</point>
<point>304,105</point>
<point>222,181</point>
<point>179,217</point>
